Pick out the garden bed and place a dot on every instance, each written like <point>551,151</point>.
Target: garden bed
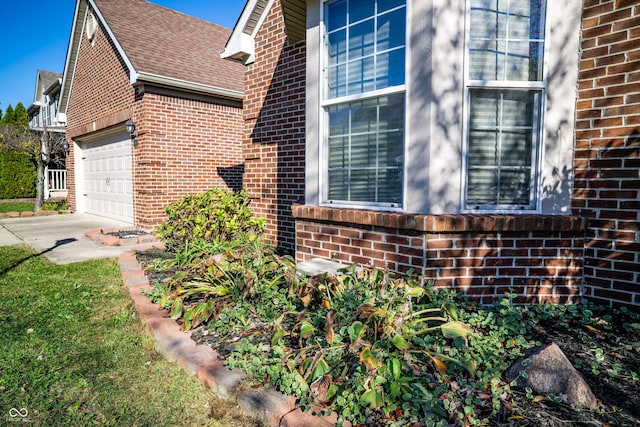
<point>372,349</point>
<point>602,344</point>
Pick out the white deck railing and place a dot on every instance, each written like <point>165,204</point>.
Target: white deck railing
<point>56,180</point>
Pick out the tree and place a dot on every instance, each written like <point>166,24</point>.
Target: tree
<point>21,115</point>
<point>9,116</point>
<point>39,146</point>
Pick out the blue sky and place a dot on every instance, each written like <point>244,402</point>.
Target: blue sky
<point>35,34</point>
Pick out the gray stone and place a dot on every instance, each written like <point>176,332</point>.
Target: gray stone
<point>550,372</point>
<point>317,266</point>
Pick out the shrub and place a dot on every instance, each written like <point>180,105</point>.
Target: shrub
<point>17,176</point>
<point>55,205</point>
<point>212,216</point>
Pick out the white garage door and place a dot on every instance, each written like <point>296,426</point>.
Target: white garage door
<point>107,177</point>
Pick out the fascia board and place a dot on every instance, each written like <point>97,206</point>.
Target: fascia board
<point>70,62</point>
<point>112,36</point>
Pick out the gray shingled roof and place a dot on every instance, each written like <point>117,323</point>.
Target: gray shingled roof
<point>47,78</point>
<point>171,44</point>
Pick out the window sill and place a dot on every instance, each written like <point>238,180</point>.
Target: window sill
<point>489,223</point>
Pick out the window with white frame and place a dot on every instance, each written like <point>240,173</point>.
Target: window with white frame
<point>364,101</point>
<point>505,92</point>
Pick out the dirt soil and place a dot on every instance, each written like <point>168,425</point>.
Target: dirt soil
<point>617,391</point>
<point>609,379</point>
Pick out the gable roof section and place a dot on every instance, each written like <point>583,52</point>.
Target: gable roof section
<point>159,46</point>
<point>240,46</point>
<point>44,81</point>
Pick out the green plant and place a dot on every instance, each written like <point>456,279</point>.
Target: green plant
<point>248,271</point>
<point>17,175</point>
<point>374,348</point>
<point>55,205</point>
<point>362,342</point>
<point>212,216</point>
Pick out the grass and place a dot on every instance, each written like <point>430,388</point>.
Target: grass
<point>16,206</point>
<point>72,352</point>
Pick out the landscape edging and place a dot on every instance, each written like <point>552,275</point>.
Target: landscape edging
<point>264,404</point>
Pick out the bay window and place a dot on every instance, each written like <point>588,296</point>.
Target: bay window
<point>505,88</point>
<point>364,102</point>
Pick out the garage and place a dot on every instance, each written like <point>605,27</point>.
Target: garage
<point>106,177</point>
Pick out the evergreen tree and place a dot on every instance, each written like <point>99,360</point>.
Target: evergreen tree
<point>21,115</point>
<point>9,117</point>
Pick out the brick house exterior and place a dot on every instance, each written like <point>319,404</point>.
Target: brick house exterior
<point>588,248</point>
<point>607,150</point>
<point>274,129</point>
<point>139,61</point>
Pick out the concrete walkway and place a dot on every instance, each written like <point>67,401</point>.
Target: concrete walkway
<point>60,238</point>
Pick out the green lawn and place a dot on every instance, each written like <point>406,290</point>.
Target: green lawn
<point>72,352</point>
<point>16,206</point>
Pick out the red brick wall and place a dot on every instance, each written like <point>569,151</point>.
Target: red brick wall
<point>607,152</point>
<point>539,257</point>
<point>274,114</point>
<point>187,144</point>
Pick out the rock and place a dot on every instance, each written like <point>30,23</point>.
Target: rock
<point>549,371</point>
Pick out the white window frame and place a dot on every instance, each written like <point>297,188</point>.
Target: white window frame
<point>538,152</point>
<point>323,122</point>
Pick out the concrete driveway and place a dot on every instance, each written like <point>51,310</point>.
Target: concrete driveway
<point>60,238</point>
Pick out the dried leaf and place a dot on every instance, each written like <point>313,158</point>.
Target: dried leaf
<point>365,311</point>
<point>329,333</point>
<point>369,359</point>
<point>320,388</point>
<point>440,366</point>
<point>306,299</point>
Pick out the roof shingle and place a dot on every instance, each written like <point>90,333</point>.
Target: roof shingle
<point>171,44</point>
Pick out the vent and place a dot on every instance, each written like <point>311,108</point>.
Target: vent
<point>91,27</point>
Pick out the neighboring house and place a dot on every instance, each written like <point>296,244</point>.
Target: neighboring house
<point>43,115</point>
<point>137,63</point>
<point>438,137</point>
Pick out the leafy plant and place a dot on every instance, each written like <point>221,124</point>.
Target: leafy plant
<point>55,205</point>
<point>17,175</point>
<point>214,215</point>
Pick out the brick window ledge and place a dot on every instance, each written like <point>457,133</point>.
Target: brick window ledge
<point>441,223</point>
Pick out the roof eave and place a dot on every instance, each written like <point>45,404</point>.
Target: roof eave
<point>33,108</point>
<point>142,77</point>
<point>53,86</point>
<point>69,65</point>
<point>241,46</point>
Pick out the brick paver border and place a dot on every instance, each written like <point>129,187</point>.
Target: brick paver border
<point>264,404</point>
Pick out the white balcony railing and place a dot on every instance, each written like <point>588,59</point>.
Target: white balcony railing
<point>55,181</point>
